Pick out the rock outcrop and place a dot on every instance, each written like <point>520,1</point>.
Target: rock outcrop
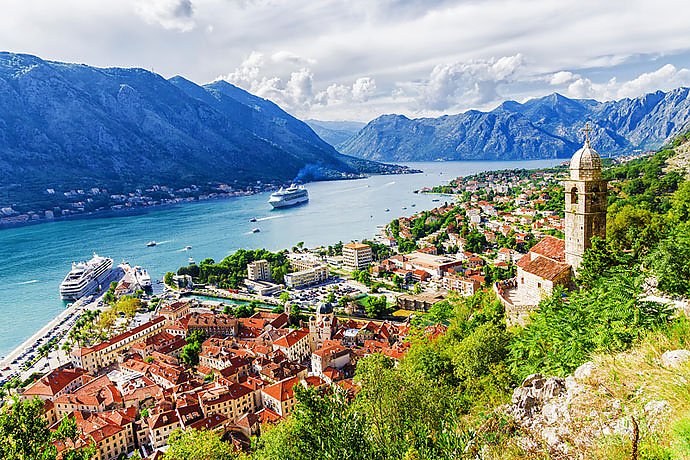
<point>565,415</point>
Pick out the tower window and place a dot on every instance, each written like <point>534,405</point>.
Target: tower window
<point>573,195</point>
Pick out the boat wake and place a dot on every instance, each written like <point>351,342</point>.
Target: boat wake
<point>347,190</point>
<point>164,242</point>
<point>261,219</point>
<point>26,282</point>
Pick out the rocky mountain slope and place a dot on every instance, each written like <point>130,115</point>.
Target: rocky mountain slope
<point>608,407</point>
<point>76,126</point>
<point>547,127</point>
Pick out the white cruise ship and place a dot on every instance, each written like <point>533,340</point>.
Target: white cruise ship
<point>85,277</point>
<point>291,196</point>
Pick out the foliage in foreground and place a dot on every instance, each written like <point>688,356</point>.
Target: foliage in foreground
<point>565,331</point>
<point>25,435</point>
<point>199,445</point>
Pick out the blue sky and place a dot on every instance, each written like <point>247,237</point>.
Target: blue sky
<point>357,59</point>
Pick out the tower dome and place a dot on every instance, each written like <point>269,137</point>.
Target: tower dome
<point>325,309</point>
<point>585,164</point>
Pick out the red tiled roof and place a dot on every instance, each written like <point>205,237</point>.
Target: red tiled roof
<point>544,268</point>
<point>291,338</point>
<point>53,382</point>
<point>551,247</point>
<point>283,390</point>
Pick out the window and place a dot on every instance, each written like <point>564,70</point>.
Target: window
<point>573,195</point>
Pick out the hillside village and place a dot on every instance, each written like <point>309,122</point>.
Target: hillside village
<point>198,365</point>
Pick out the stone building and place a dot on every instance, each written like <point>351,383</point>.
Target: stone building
<point>322,325</point>
<point>585,204</point>
<point>553,262</point>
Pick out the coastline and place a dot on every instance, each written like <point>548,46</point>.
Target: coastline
<point>141,210</point>
<point>61,324</point>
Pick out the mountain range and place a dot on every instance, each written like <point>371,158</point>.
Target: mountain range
<point>75,126</point>
<point>547,127</point>
<point>335,132</point>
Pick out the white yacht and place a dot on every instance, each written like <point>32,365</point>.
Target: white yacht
<point>290,196</point>
<point>142,278</point>
<point>85,277</point>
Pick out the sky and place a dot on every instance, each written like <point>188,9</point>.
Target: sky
<point>358,59</point>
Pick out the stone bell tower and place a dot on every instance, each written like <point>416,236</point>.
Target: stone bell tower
<point>585,203</point>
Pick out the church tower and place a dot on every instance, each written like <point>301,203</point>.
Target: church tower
<point>585,203</point>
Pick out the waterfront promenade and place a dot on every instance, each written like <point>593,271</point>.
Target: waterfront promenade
<point>15,362</point>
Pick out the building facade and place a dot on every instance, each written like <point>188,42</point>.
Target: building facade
<point>357,256</point>
<point>308,277</point>
<point>259,270</point>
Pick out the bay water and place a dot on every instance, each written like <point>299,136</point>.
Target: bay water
<point>34,259</point>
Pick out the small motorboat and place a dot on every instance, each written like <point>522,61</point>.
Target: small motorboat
<point>151,244</point>
<point>256,230</point>
<point>388,210</point>
<point>253,219</point>
<point>413,205</point>
<point>191,261</point>
<point>187,248</point>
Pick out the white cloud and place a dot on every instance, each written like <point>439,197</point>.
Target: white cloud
<point>170,14</point>
<point>247,73</point>
<point>290,57</point>
<point>562,77</point>
<point>664,78</point>
<point>473,82</point>
<point>295,91</point>
<point>363,88</point>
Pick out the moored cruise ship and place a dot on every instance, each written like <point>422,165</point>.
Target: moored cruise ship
<point>290,196</point>
<point>85,277</point>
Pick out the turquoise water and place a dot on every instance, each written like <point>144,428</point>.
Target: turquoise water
<point>34,259</point>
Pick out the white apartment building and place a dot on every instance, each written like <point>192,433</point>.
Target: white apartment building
<point>357,256</point>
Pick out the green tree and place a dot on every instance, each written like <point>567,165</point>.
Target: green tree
<point>199,445</point>
<point>25,435</point>
<point>563,333</point>
<point>284,297</point>
<point>405,412</point>
<point>475,242</point>
<point>296,316</point>
<point>670,262</point>
<point>680,203</point>
<point>322,427</point>
<point>376,307</point>
<point>598,261</point>
<point>190,352</point>
<point>634,229</point>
